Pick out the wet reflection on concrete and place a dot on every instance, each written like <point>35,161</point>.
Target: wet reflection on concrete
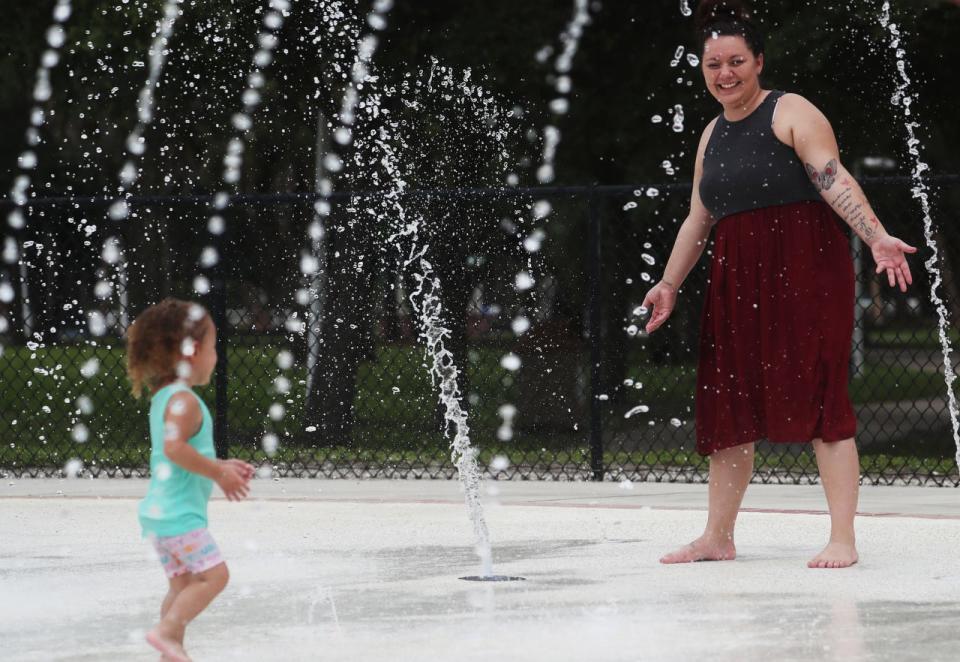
<point>375,581</point>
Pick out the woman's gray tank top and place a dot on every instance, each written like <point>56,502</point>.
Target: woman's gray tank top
<point>746,167</point>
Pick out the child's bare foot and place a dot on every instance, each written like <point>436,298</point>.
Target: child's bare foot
<point>703,549</point>
<point>169,648</point>
<point>835,555</point>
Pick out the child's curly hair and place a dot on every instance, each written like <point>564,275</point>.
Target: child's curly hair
<point>155,341</point>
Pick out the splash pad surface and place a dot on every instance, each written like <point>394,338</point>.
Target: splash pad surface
<point>349,570</point>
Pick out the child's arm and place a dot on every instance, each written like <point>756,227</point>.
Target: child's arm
<point>182,420</point>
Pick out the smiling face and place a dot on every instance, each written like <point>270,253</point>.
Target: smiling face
<point>731,71</point>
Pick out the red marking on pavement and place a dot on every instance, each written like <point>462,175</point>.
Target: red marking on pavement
<point>532,504</point>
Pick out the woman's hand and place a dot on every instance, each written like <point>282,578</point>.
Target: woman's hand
<point>888,253</point>
<point>662,298</point>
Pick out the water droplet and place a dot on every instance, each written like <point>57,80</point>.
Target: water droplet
<point>72,468</point>
<point>343,135</point>
<point>639,409</point>
<point>269,443</point>
<point>136,145</point>
<point>164,471</point>
<point>56,36</point>
<point>520,325</point>
<point>309,264</point>
<point>332,162</point>
<point>80,433</point>
<point>62,11</point>
<point>111,253</point>
<point>184,370</point>
<point>196,312</point>
<point>209,257</point>
<point>129,173</point>
<point>523,281</point>
<point>267,40</point>
<point>510,362</point>
<point>27,160</point>
<point>119,210</point>
<point>676,56</point>
<point>242,122</point>
<point>677,118</point>
<point>103,289</point>
<point>261,59</point>
<point>499,463</point>
<point>85,405</point>
<point>285,360</point>
<point>216,225</point>
<point>16,220</point>
<point>541,209</point>
<point>534,242</point>
<point>97,324</point>
<point>376,21</point>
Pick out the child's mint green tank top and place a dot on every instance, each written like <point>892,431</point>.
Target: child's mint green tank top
<point>176,500</point>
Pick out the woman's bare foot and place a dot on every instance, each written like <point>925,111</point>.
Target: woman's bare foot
<point>169,648</point>
<point>703,549</point>
<point>835,555</point>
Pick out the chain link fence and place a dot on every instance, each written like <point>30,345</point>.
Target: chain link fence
<point>329,361</point>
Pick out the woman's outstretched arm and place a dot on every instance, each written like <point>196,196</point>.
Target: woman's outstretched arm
<point>814,141</point>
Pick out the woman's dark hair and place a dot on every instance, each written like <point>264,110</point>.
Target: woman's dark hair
<point>728,18</point>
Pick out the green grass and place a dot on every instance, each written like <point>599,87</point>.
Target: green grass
<point>916,338</point>
<point>391,427</point>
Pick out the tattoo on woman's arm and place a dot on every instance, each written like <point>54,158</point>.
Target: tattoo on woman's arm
<point>852,211</point>
<point>823,179</point>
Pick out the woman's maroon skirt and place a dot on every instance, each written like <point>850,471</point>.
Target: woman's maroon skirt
<point>776,330</point>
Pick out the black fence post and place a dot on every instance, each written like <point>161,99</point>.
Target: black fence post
<point>218,309</point>
<point>595,326</point>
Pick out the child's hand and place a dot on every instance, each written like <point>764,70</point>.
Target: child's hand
<point>233,479</point>
<point>247,468</point>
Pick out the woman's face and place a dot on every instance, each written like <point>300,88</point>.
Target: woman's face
<point>730,70</point>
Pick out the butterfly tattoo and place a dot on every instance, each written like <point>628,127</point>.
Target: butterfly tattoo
<point>823,180</point>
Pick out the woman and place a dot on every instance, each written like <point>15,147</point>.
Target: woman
<point>778,316</point>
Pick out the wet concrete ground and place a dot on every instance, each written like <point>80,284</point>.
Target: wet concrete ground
<point>338,570</point>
